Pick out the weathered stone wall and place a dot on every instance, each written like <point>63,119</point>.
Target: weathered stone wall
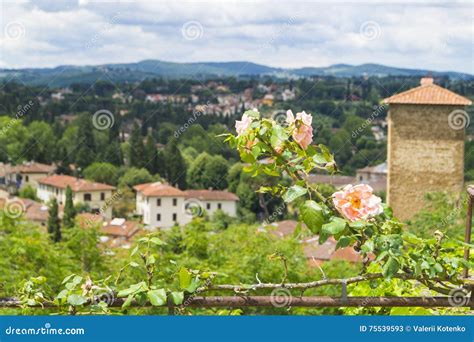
<point>424,155</point>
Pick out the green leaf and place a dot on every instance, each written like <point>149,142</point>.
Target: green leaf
<point>313,216</point>
<point>157,297</point>
<point>193,285</point>
<point>293,193</point>
<point>67,278</point>
<point>134,251</point>
<point>157,241</point>
<point>127,302</point>
<point>252,113</point>
<point>177,297</point>
<point>368,246</point>
<point>150,260</point>
<point>76,299</point>
<point>133,264</point>
<point>335,226</point>
<point>390,268</point>
<point>343,241</point>
<point>184,278</point>
<point>141,286</point>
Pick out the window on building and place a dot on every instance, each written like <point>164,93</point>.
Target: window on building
<point>219,205</point>
<point>175,217</point>
<point>27,178</point>
<point>87,197</point>
<point>175,202</point>
<point>208,206</point>
<point>158,202</point>
<point>158,217</point>
<point>102,196</point>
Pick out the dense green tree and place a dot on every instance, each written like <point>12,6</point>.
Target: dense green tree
<point>102,172</point>
<point>85,141</point>
<point>134,176</point>
<point>54,224</point>
<point>136,156</point>
<point>175,166</point>
<point>151,153</point>
<point>69,210</point>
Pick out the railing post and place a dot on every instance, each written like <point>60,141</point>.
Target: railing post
<point>467,236</point>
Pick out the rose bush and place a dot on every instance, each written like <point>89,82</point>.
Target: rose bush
<point>354,216</point>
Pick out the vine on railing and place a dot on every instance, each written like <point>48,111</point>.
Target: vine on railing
<point>353,216</point>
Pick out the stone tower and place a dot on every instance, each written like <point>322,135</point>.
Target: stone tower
<point>425,145</point>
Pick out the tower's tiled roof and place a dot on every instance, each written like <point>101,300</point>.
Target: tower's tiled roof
<point>430,94</point>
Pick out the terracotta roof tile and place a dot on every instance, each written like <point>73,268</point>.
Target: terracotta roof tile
<point>430,94</point>
<point>76,184</point>
<point>33,167</point>
<point>159,189</point>
<point>211,195</point>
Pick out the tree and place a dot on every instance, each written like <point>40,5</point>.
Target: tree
<point>86,151</point>
<point>69,210</point>
<point>215,173</point>
<point>175,167</point>
<point>54,226</point>
<point>134,176</point>
<point>102,172</point>
<point>136,157</point>
<point>151,153</point>
<point>28,192</point>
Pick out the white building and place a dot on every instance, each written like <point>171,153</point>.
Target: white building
<point>97,196</point>
<point>21,175</point>
<point>162,205</point>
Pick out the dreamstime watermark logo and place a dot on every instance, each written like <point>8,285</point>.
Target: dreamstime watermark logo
<point>281,297</point>
<point>21,111</point>
<point>458,119</point>
<point>103,119</point>
<point>107,297</point>
<point>193,207</point>
<point>46,330</point>
<point>197,113</point>
<point>377,111</point>
<point>370,30</point>
<point>458,297</point>
<point>189,299</point>
<point>14,208</point>
<point>192,30</point>
<point>280,118</point>
<point>14,30</point>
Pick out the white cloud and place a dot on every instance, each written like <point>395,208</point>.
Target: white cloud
<point>432,35</point>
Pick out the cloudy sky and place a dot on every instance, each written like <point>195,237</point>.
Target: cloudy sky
<point>413,34</point>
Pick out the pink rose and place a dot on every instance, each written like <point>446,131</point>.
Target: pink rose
<point>307,119</point>
<point>357,202</point>
<point>243,125</point>
<point>290,118</point>
<point>303,135</point>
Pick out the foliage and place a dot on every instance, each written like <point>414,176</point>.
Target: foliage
<point>69,210</point>
<point>28,192</point>
<point>102,172</point>
<point>54,223</point>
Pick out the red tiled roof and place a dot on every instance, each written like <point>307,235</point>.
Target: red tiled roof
<point>211,195</point>
<point>282,228</point>
<point>76,184</point>
<point>159,189</point>
<point>121,228</point>
<point>33,167</point>
<point>430,94</point>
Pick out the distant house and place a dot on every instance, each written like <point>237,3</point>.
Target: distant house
<point>213,200</point>
<point>268,100</point>
<point>96,195</point>
<point>375,176</point>
<point>117,232</point>
<point>28,173</point>
<point>32,210</point>
<point>315,253</point>
<point>162,205</point>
